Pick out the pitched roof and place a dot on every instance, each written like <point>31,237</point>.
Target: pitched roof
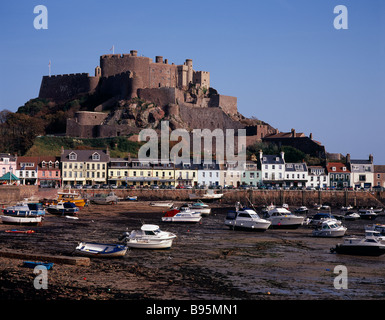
<point>272,159</point>
<point>338,167</point>
<point>85,155</point>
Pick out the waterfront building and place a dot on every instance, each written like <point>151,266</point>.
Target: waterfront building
<point>339,175</point>
<point>273,169</point>
<point>27,170</point>
<point>48,172</point>
<point>84,166</point>
<point>317,177</point>
<point>379,176</point>
<point>163,174</point>
<point>209,175</point>
<point>231,174</point>
<point>186,174</point>
<point>251,175</point>
<point>118,171</point>
<point>296,175</point>
<point>7,163</point>
<point>361,172</point>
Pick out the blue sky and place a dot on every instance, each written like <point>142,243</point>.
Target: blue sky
<point>282,59</point>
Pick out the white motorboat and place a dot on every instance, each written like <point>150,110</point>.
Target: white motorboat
<point>209,195</point>
<point>376,227</point>
<point>351,216</point>
<point>177,215</point>
<point>302,210</point>
<point>63,208</point>
<point>161,204</point>
<point>329,228</point>
<point>149,237</point>
<point>203,208</point>
<point>368,214</point>
<point>101,250</point>
<point>8,219</point>
<point>349,207</point>
<point>283,218</point>
<point>368,246</point>
<point>247,219</point>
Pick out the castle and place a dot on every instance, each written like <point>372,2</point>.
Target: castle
<point>178,92</point>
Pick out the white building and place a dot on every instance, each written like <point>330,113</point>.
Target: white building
<point>296,175</point>
<point>209,175</point>
<point>273,169</point>
<point>318,177</point>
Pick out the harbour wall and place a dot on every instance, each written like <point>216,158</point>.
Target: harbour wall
<point>11,194</point>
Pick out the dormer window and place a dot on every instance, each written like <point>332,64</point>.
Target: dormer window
<point>343,168</point>
<point>277,159</point>
<point>333,168</point>
<point>43,164</point>
<point>50,164</point>
<point>95,156</point>
<point>72,156</point>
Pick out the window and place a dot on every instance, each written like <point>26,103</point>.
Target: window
<point>72,156</point>
<point>95,156</point>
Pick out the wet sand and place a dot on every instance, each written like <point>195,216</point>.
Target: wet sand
<point>207,261</point>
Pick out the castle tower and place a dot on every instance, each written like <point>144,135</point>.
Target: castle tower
<point>98,72</point>
<point>190,71</point>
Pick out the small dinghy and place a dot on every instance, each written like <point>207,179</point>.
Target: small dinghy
<point>21,220</point>
<point>184,215</point>
<point>148,237</point>
<point>101,250</point>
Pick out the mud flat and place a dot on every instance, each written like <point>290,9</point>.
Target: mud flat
<point>207,261</point>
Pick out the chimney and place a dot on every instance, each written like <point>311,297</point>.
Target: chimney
<point>283,155</point>
<point>311,136</point>
<point>260,155</point>
<point>348,158</point>
<point>293,133</point>
<point>62,150</point>
<point>371,158</point>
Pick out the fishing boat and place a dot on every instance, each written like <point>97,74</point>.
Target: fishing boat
<point>283,218</point>
<point>25,210</point>
<point>101,198</point>
<point>101,250</point>
<point>368,214</point>
<point>329,228</point>
<point>149,237</point>
<point>73,197</point>
<point>203,208</point>
<point>28,220</point>
<point>184,215</point>
<point>63,208</point>
<point>351,216</point>
<point>246,219</point>
<point>370,245</point>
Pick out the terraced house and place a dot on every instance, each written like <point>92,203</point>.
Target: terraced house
<point>339,175</point>
<point>84,166</point>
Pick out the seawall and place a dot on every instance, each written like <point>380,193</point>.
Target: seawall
<point>12,194</point>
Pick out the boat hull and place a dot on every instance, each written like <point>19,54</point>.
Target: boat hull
<point>182,219</point>
<point>359,250</point>
<point>256,226</point>
<point>101,250</point>
<point>329,234</point>
<point>149,244</point>
<point>21,220</point>
<point>286,222</point>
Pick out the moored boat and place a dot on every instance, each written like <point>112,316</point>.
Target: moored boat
<point>246,219</point>
<point>149,237</point>
<point>368,214</point>
<point>101,198</point>
<point>203,208</point>
<point>283,218</point>
<point>177,215</point>
<point>367,246</point>
<point>63,208</point>
<point>208,196</point>
<point>161,204</point>
<point>25,210</point>
<point>27,220</point>
<point>329,228</point>
<point>101,250</point>
<point>351,216</point>
<point>73,197</point>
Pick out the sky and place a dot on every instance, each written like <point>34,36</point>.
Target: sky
<point>283,59</point>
